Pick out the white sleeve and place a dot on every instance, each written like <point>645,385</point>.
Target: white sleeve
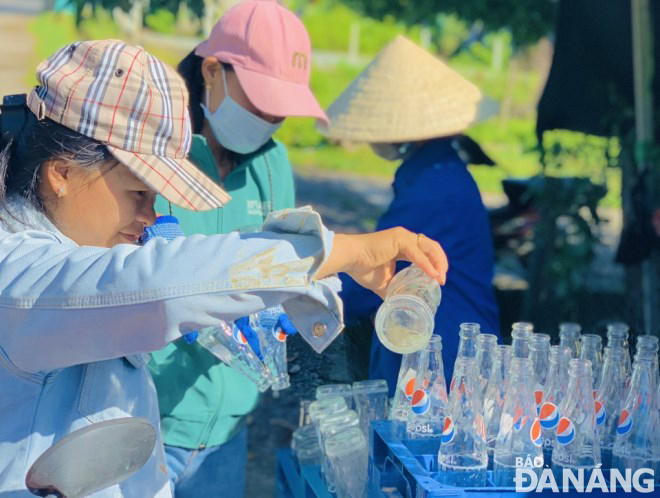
<point>61,304</point>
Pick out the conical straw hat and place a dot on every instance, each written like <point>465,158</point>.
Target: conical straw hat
<point>405,94</point>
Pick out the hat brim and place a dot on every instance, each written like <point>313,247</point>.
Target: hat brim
<point>278,97</point>
<point>177,180</point>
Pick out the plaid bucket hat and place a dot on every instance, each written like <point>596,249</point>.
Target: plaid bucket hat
<point>136,105</point>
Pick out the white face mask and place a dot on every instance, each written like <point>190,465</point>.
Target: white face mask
<point>236,128</point>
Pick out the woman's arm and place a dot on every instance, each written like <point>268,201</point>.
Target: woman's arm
<point>61,304</point>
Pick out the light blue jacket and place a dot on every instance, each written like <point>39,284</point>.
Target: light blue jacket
<point>75,320</point>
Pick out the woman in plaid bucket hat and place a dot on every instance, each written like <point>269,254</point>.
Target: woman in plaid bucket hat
<point>80,301</point>
<point>249,75</point>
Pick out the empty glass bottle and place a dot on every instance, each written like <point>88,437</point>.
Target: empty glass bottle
<point>637,443</point>
<point>486,346</point>
<point>539,353</point>
<point>569,336</point>
<point>591,346</point>
<point>553,394</point>
<point>617,337</point>
<point>650,344</point>
<point>429,399</point>
<point>519,438</point>
<point>412,364</point>
<point>463,457</point>
<point>609,398</point>
<point>467,345</point>
<point>494,396</point>
<point>521,334</point>
<point>576,443</point>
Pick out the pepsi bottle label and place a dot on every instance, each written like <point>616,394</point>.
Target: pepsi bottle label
<point>535,433</point>
<point>565,431</point>
<point>625,423</point>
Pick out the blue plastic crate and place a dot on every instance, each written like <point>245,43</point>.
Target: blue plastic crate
<point>407,468</point>
<point>294,481</point>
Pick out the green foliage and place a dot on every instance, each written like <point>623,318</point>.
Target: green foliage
<point>100,26</point>
<point>564,241</point>
<point>527,20</point>
<point>329,25</point>
<point>162,21</point>
<point>51,30</point>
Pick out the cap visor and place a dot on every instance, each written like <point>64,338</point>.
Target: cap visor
<point>277,97</point>
<point>177,180</point>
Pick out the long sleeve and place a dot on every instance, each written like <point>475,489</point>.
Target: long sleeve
<point>61,304</point>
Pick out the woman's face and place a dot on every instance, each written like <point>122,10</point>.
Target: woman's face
<point>97,208</point>
<point>212,72</point>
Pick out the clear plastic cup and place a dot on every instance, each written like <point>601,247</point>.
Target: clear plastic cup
<point>348,454</point>
<point>371,402</point>
<point>229,345</point>
<point>308,452</point>
<point>329,427</point>
<point>321,409</point>
<point>304,437</point>
<point>272,341</point>
<point>329,390</point>
<point>405,320</point>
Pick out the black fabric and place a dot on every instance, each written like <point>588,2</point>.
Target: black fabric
<point>590,85</point>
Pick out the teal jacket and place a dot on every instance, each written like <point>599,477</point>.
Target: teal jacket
<point>202,401</point>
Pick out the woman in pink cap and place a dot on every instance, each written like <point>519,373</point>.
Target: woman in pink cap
<point>251,73</point>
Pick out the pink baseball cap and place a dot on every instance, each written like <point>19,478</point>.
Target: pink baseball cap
<point>271,53</point>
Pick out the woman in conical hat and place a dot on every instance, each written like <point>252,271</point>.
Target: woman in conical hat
<point>410,106</point>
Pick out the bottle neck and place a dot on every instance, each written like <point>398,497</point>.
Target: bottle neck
<point>467,346</point>
<point>643,382</point>
<point>520,370</point>
<point>580,377</point>
<point>614,371</point>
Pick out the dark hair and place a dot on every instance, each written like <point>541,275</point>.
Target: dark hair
<point>190,69</point>
<point>22,155</point>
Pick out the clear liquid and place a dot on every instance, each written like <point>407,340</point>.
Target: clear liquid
<point>471,477</point>
<point>504,475</point>
<point>606,457</point>
<point>403,339</point>
<point>629,462</point>
<point>558,472</point>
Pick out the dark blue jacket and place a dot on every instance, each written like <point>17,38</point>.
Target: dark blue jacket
<point>435,194</point>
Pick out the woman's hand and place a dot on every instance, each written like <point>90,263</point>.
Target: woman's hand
<point>370,259</point>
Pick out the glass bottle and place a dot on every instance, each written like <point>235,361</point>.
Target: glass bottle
<point>411,366</point>
<point>519,438</point>
<point>591,346</point>
<point>494,396</point>
<point>429,399</point>
<point>576,443</point>
<point>539,353</point>
<point>467,345</point>
<point>463,457</point>
<point>638,433</point>
<point>569,336</point>
<point>617,337</point>
<point>553,395</point>
<point>486,346</point>
<point>521,334</point>
<point>609,398</point>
